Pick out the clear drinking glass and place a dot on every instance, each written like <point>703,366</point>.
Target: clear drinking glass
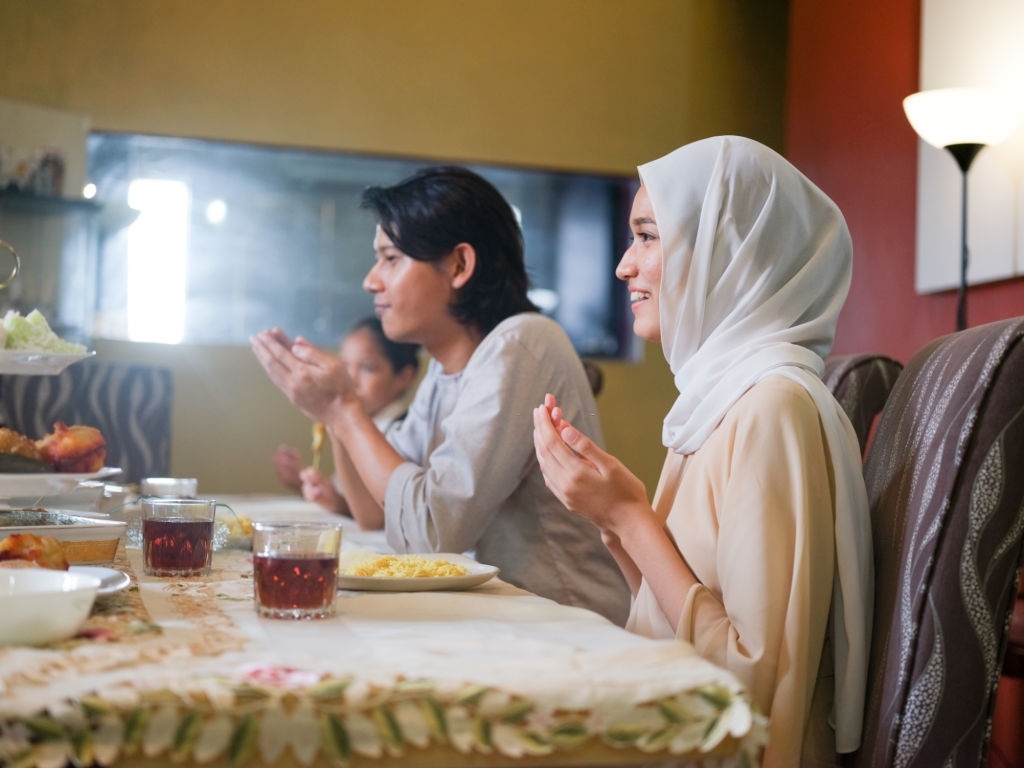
<point>295,569</point>
<point>173,487</point>
<point>12,255</point>
<point>177,536</point>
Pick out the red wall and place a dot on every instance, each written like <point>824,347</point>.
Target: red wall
<point>850,65</point>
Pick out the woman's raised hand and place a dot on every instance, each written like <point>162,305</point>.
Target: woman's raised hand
<point>587,480</point>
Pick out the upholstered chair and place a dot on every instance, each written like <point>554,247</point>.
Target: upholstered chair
<point>945,479</point>
<point>1007,749</point>
<point>129,404</point>
<point>861,383</point>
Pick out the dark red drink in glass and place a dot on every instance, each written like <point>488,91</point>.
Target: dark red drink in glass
<point>295,568</point>
<point>295,585</point>
<point>177,547</point>
<point>177,537</point>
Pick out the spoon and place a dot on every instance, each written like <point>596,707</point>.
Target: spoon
<point>318,443</point>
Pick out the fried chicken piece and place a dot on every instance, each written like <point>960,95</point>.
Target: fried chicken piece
<point>15,442</point>
<point>77,448</point>
<point>44,551</point>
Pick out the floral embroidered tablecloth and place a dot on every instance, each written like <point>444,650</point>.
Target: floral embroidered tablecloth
<point>184,671</point>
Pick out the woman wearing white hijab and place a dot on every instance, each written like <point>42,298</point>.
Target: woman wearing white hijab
<point>757,547</point>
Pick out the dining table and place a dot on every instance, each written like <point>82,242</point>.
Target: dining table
<point>183,671</point>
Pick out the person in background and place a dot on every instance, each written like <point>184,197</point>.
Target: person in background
<point>459,472</point>
<point>383,373</point>
<point>757,546</point>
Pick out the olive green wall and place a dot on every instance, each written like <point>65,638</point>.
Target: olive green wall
<point>569,84</point>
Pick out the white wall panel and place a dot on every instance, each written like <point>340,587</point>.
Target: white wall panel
<point>977,44</point>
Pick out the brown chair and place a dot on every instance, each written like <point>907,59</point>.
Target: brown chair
<point>861,383</point>
<point>946,490</point>
<point>1007,749</point>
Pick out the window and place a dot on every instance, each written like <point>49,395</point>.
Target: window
<point>155,248</point>
<point>215,241</point>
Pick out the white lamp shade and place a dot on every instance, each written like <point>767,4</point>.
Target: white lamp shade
<point>964,115</point>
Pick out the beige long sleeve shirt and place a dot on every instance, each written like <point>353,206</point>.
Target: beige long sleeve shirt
<point>751,513</point>
<point>471,480</point>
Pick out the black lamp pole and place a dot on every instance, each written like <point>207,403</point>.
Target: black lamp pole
<point>964,155</point>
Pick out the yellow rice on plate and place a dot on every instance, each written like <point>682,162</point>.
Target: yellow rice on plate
<point>405,566</point>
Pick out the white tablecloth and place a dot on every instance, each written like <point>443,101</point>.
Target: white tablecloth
<point>488,676</point>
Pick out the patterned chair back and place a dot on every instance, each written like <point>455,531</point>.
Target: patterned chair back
<point>129,404</point>
<point>945,478</point>
<point>861,383</point>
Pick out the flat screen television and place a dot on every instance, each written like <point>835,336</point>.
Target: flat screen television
<point>227,239</point>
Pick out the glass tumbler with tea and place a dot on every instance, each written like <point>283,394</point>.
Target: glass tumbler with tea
<point>177,536</point>
<point>295,569</point>
<point>168,487</point>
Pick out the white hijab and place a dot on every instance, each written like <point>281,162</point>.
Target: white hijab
<point>756,264</point>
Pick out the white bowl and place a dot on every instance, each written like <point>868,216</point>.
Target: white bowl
<point>40,606</point>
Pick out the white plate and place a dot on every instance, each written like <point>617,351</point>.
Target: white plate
<point>39,484</point>
<point>478,574</point>
<point>111,579</point>
<point>22,361</point>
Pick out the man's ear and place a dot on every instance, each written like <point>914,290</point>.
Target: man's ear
<point>463,264</point>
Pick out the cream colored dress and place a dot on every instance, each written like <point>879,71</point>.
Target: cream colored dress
<point>752,515</point>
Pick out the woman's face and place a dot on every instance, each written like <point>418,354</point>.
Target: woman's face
<point>640,268</point>
<point>377,384</point>
<point>411,297</point>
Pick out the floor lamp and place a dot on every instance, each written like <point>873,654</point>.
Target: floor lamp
<point>963,121</point>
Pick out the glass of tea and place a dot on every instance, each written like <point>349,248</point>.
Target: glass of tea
<point>169,487</point>
<point>295,569</point>
<point>177,536</point>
